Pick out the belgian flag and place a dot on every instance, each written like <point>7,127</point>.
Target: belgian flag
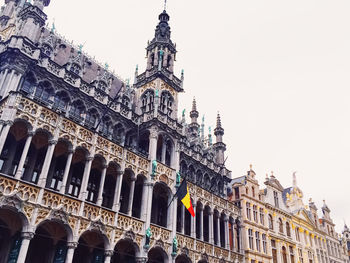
<point>184,195</point>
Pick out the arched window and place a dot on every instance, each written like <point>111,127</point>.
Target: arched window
<point>61,101</point>
<point>168,62</point>
<point>255,213</point>
<point>288,229</point>
<point>248,211</point>
<point>297,235</point>
<point>280,225</point>
<point>147,101</point>
<point>270,222</point>
<point>29,83</point>
<point>284,254</point>
<point>91,118</point>
<point>76,110</point>
<point>43,92</point>
<point>105,126</point>
<point>152,59</point>
<point>253,191</point>
<point>166,103</point>
<point>262,219</point>
<point>118,133</point>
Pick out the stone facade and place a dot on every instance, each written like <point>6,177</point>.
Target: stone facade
<point>89,164</point>
<point>278,227</point>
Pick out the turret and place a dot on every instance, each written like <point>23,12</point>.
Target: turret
<point>7,11</point>
<point>194,126</point>
<point>33,19</point>
<point>219,146</point>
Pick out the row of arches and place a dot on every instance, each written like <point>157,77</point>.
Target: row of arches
<point>212,183</point>
<point>51,242</point>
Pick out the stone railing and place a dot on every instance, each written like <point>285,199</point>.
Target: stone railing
<point>161,233</point>
<point>128,223</point>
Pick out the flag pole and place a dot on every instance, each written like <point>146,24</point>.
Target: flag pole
<point>184,179</point>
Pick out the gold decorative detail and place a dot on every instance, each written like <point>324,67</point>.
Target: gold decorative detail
<point>42,214</point>
<point>83,226</point>
<point>160,233</point>
<point>107,217</point>
<point>7,186</point>
<point>51,199</point>
<point>28,210</point>
<point>184,241</point>
<point>28,192</point>
<point>128,223</point>
<point>71,206</point>
<point>91,212</point>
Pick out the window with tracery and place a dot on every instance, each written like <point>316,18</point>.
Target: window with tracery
<point>61,101</point>
<point>77,109</point>
<point>91,118</point>
<point>147,101</point>
<point>270,222</point>
<point>43,91</point>
<point>166,103</point>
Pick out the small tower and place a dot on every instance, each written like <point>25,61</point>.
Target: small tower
<point>33,19</point>
<point>219,146</point>
<point>194,126</point>
<point>7,11</point>
<point>161,52</point>
<point>313,210</point>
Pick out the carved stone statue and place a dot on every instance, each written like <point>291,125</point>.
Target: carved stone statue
<point>178,179</point>
<point>175,244</point>
<point>154,168</point>
<point>148,238</point>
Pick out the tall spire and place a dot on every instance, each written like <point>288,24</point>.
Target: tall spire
<point>220,147</point>
<point>194,113</point>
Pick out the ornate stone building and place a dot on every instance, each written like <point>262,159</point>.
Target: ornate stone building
<point>89,164</point>
<point>278,227</point>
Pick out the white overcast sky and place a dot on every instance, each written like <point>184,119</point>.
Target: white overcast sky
<point>278,72</point>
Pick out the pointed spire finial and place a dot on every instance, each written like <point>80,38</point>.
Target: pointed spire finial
<point>251,167</point>
<point>165,4</point>
<point>194,104</point>
<point>294,180</point>
<point>53,27</point>
<point>218,121</point>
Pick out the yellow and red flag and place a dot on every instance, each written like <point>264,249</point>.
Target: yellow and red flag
<point>184,195</point>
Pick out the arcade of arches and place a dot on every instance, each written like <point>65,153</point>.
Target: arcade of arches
<point>37,158</point>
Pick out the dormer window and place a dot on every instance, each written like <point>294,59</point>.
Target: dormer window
<point>102,85</point>
<point>47,50</point>
<point>75,68</point>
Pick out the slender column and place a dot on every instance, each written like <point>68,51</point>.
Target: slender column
<point>163,152</point>
<point>211,227</point>
<point>144,201</point>
<point>131,195</point>
<point>227,233</point>
<point>108,256</point>
<point>102,183</point>
<point>26,237</point>
<point>149,204</point>
<point>201,209</point>
<point>47,162</point>
<point>71,246</point>
<point>118,186</point>
<point>3,79</point>
<point>173,218</point>
<point>182,219</point>
<point>86,176</point>
<point>24,156</point>
<point>193,222</point>
<point>66,171</point>
<point>218,231</point>
<point>4,134</point>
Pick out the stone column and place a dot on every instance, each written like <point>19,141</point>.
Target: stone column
<point>201,209</point>
<point>108,255</point>
<point>86,176</point>
<point>71,246</point>
<point>3,79</point>
<point>66,171</point>
<point>193,222</point>
<point>102,183</point>
<point>182,219</point>
<point>118,186</point>
<point>227,233</point>
<point>47,161</point>
<point>24,155</point>
<point>26,237</point>
<point>144,201</point>
<point>149,204</point>
<point>4,133</point>
<point>211,227</point>
<point>218,231</point>
<point>131,195</point>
